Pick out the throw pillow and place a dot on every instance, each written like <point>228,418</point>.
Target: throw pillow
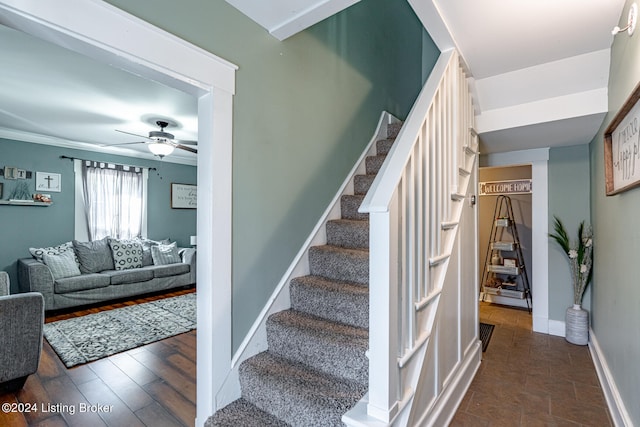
<point>38,253</point>
<point>94,256</point>
<point>61,265</point>
<point>126,254</point>
<point>165,254</point>
<point>146,251</point>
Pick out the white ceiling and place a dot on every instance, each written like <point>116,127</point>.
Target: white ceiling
<point>54,96</point>
<point>539,75</point>
<point>540,68</point>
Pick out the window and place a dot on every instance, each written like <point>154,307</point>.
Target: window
<point>113,200</point>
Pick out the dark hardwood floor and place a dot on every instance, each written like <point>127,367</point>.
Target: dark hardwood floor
<point>153,385</point>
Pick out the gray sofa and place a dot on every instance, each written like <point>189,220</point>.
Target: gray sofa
<point>93,287</point>
<point>21,317</point>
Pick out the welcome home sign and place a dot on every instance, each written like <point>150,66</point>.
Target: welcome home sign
<point>515,186</point>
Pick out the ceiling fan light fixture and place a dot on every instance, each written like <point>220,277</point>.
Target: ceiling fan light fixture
<point>160,149</point>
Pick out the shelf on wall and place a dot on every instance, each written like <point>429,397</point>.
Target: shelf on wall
<point>23,203</point>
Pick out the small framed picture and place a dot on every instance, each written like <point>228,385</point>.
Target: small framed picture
<point>48,182</point>
<point>10,172</point>
<point>22,174</point>
<point>510,262</point>
<point>184,196</point>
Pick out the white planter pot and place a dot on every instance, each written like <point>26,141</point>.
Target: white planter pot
<point>577,325</point>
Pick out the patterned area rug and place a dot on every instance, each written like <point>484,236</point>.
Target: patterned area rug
<point>94,336</point>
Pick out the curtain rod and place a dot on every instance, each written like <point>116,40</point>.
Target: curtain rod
<point>111,163</point>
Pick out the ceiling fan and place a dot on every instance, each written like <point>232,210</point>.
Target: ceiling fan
<point>161,143</point>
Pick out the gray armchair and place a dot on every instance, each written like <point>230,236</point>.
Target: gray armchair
<point>21,321</point>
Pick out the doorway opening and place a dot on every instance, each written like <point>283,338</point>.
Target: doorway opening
<point>123,40</point>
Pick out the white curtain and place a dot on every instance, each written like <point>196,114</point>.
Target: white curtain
<point>113,200</point>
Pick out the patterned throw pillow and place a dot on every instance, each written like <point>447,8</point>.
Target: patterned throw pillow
<point>38,253</point>
<point>127,254</point>
<point>165,254</point>
<point>62,265</point>
<point>147,259</point>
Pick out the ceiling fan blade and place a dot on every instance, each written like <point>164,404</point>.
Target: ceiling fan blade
<point>123,143</point>
<point>185,142</point>
<point>184,147</point>
<point>134,134</point>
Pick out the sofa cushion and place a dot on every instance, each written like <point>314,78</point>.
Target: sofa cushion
<point>168,270</point>
<point>80,283</point>
<point>125,277</point>
<point>165,254</point>
<point>94,256</point>
<point>62,265</point>
<point>38,253</point>
<point>126,254</point>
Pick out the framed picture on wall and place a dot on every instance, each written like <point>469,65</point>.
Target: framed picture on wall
<point>184,196</point>
<point>621,147</point>
<point>1,185</point>
<point>48,182</point>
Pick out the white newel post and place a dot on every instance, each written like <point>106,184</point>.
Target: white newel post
<point>383,318</point>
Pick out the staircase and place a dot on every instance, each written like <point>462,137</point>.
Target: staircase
<point>316,368</point>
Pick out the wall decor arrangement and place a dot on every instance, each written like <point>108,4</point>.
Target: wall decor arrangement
<point>622,147</point>
<point>184,196</point>
<point>47,181</point>
<point>10,172</point>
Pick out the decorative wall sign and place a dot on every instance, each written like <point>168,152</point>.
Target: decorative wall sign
<point>622,147</point>
<point>184,196</point>
<point>47,181</point>
<point>14,173</point>
<point>515,186</point>
<point>10,172</point>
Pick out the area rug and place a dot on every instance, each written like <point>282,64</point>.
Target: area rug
<point>94,336</point>
<point>485,334</point>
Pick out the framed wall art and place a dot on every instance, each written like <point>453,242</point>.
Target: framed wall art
<point>48,182</point>
<point>184,196</point>
<point>622,147</point>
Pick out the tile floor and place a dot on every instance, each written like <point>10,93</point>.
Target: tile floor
<point>531,379</point>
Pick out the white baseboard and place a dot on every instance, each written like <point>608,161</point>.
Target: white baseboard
<point>557,328</point>
<point>618,411</point>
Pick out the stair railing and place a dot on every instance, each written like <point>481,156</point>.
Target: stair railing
<point>414,206</point>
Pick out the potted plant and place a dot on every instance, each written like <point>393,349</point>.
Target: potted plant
<point>579,254</point>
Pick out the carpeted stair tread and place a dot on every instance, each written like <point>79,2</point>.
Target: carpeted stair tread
<point>329,347</point>
<point>362,184</point>
<point>349,205</point>
<point>241,413</point>
<point>373,163</point>
<point>393,129</point>
<point>334,262</point>
<point>334,300</point>
<point>296,394</point>
<point>384,145</point>
<point>348,233</point>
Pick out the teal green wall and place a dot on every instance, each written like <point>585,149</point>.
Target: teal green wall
<point>569,199</point>
<point>22,227</point>
<point>616,291</point>
<point>303,111</point>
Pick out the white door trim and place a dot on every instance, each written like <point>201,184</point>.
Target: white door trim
<point>538,159</point>
<point>106,33</point>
